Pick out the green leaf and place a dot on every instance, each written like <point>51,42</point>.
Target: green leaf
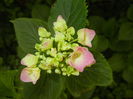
<point>1,42</point>
<point>122,87</point>
<point>127,74</point>
<point>110,28</point>
<point>48,87</point>
<point>130,59</point>
<point>117,62</point>
<point>96,23</point>
<point>7,82</point>
<point>87,94</point>
<point>1,60</point>
<point>50,2</point>
<point>41,12</point>
<point>63,95</point>
<point>100,74</point>
<point>129,93</point>
<point>77,89</point>
<point>130,12</point>
<point>20,52</point>
<point>27,32</point>
<point>121,45</point>
<point>7,78</point>
<point>98,43</point>
<point>126,31</point>
<point>73,11</point>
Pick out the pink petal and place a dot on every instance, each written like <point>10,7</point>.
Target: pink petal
<point>83,60</point>
<point>25,75</point>
<point>24,61</point>
<point>29,74</point>
<point>85,36</point>
<point>91,33</point>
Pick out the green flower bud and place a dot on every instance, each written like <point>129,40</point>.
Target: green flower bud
<point>64,69</point>
<point>43,32</point>
<point>56,63</point>
<point>60,24</point>
<point>62,65</point>
<point>41,56</point>
<point>64,74</point>
<point>69,37</point>
<point>57,71</point>
<point>66,47</point>
<point>45,63</point>
<point>44,67</point>
<point>52,52</point>
<point>41,38</point>
<point>37,46</point>
<point>49,71</point>
<point>37,53</point>
<point>74,45</point>
<point>59,57</point>
<point>59,37</point>
<point>76,73</point>
<point>59,46</point>
<point>70,69</point>
<point>49,61</point>
<point>71,31</point>
<point>46,44</point>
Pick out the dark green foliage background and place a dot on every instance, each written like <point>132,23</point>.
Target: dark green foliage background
<point>113,22</point>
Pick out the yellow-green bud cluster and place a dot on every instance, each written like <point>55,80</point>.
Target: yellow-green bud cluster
<point>60,53</point>
<point>53,52</point>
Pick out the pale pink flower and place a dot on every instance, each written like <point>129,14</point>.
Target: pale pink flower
<point>30,74</point>
<point>85,36</point>
<point>81,58</point>
<point>29,60</point>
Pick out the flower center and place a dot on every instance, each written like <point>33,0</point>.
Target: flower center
<point>76,55</point>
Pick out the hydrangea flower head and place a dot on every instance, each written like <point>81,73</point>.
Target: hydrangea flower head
<point>62,53</point>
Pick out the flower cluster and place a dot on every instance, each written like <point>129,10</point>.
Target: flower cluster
<point>61,53</point>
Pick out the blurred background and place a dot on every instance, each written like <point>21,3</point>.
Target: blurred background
<point>111,19</point>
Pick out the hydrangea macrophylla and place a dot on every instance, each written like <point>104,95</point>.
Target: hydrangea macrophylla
<point>30,74</point>
<point>85,36</point>
<point>60,53</point>
<point>81,58</point>
<point>29,60</point>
